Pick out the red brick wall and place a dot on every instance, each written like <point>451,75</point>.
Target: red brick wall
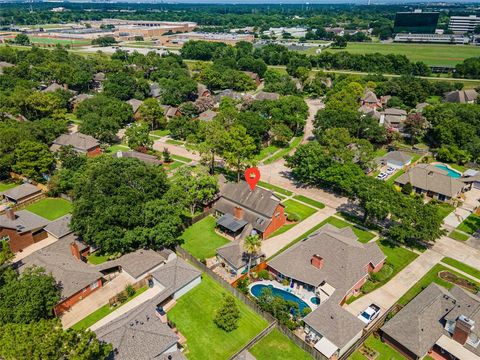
<point>277,221</point>
<point>378,267</point>
<point>72,300</point>
<point>95,152</point>
<point>17,241</point>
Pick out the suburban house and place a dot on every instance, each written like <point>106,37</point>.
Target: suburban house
<point>207,115</point>
<point>432,181</point>
<point>135,104</point>
<point>54,87</point>
<point>394,118</point>
<point>254,76</point>
<point>228,93</point>
<point>333,265</point>
<point>461,96</point>
<point>202,91</point>
<point>471,178</point>
<point>170,111</point>
<point>146,158</point>
<point>421,106</point>
<point>59,228</point>
<point>155,90</point>
<point>22,228</point>
<point>21,194</point>
<point>144,332</point>
<point>77,99</point>
<point>63,259</point>
<point>370,100</point>
<point>81,143</point>
<point>437,322</point>
<point>395,159</point>
<point>371,111</point>
<point>233,257</point>
<point>263,95</point>
<point>98,80</point>
<point>241,211</point>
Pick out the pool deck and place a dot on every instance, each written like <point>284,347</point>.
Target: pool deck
<point>302,294</point>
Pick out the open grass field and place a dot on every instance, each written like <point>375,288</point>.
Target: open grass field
<point>277,346</point>
<point>201,240</point>
<point>194,313</point>
<point>4,186</point>
<point>51,208</point>
<point>430,54</point>
<point>48,40</point>
<point>103,311</point>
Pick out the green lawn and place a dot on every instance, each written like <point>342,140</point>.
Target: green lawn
<point>181,158</point>
<point>175,142</point>
<point>96,259</point>
<point>269,150</point>
<point>103,311</point>
<point>278,347</point>
<point>397,259</point>
<point>302,211</point>
<point>384,351</point>
<point>431,54</point>
<point>391,179</point>
<point>275,188</point>
<point>201,240</point>
<point>309,201</point>
<point>458,167</point>
<point>4,186</point>
<point>160,133</point>
<point>173,165</point>
<point>462,267</point>
<point>427,279</point>
<point>444,209</point>
<point>285,151</point>
<point>115,148</point>
<point>46,40</point>
<point>51,208</point>
<point>194,313</point>
<point>470,225</point>
<point>457,235</point>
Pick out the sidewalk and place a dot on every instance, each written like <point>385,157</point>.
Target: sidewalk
<point>140,299</point>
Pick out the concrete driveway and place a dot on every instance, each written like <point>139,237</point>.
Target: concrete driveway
<point>456,217</point>
<point>95,300</point>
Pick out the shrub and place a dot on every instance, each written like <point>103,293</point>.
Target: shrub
<point>306,311</point>
<point>264,275</point>
<point>122,297</point>
<point>293,217</point>
<point>242,285</point>
<point>129,290</point>
<point>228,315</point>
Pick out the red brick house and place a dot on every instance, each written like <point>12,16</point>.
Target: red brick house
<point>239,206</point>
<point>81,143</point>
<point>22,229</point>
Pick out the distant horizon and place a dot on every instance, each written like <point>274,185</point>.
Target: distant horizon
<point>248,2</point>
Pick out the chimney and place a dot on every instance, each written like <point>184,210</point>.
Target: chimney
<point>463,328</point>
<point>238,212</point>
<point>10,213</point>
<point>75,251</point>
<point>317,261</point>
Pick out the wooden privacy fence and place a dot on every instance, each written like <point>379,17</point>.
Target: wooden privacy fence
<point>254,306</point>
<point>139,284</point>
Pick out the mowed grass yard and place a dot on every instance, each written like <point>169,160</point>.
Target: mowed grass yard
<point>194,313</point>
<point>51,208</point>
<point>295,209</point>
<point>470,225</point>
<point>384,351</point>
<point>279,347</point>
<point>51,40</point>
<point>201,240</point>
<point>4,186</point>
<point>430,54</point>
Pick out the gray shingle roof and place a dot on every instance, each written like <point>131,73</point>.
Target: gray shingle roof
<point>397,156</point>
<point>370,97</point>
<point>135,104</point>
<point>369,111</point>
<point>175,274</point>
<point>135,263</point>
<point>79,141</point>
<point>430,178</point>
<point>263,95</point>
<point>155,90</point>
<point>235,255</point>
<point>60,227</point>
<point>24,221</point>
<point>207,115</point>
<point>138,334</point>
<point>335,323</point>
<point>418,325</point>
<point>71,274</point>
<point>345,258</point>
<point>395,111</point>
<point>146,158</point>
<point>201,89</point>
<point>229,222</point>
<point>53,87</point>
<point>461,96</point>
<point>21,191</point>
<point>100,76</point>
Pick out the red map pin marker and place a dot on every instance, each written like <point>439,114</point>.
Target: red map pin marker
<point>252,175</point>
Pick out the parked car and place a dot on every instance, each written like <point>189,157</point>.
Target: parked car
<point>390,170</point>
<point>381,176</point>
<point>369,314</point>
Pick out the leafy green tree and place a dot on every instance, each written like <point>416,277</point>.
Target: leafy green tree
<point>137,135</point>
<point>104,41</point>
<point>120,85</point>
<point>152,113</point>
<point>407,189</point>
<point>239,149</point>
<point>28,297</point>
<point>47,340</point>
<point>251,245</point>
<point>416,126</point>
<point>22,39</point>
<point>213,145</point>
<point>228,315</point>
<point>167,158</point>
<point>32,159</point>
<point>5,252</point>
<point>339,43</point>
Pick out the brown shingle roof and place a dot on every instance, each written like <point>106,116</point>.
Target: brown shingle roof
<point>461,96</point>
<point>79,141</point>
<point>21,191</point>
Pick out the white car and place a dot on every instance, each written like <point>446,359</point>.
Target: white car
<point>381,176</point>
<point>390,170</point>
<point>369,314</point>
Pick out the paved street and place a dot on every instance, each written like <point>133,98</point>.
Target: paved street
<point>159,145</point>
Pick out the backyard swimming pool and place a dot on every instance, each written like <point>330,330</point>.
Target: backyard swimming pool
<point>256,291</point>
<point>452,173</point>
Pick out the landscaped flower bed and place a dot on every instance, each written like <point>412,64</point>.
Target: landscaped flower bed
<point>454,279</point>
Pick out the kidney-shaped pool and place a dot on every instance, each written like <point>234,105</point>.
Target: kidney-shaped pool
<point>256,291</point>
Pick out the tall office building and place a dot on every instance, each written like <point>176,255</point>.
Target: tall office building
<point>416,22</point>
<point>463,24</point>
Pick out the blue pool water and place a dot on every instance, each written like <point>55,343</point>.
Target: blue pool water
<point>257,291</point>
<point>315,300</point>
<point>450,172</point>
